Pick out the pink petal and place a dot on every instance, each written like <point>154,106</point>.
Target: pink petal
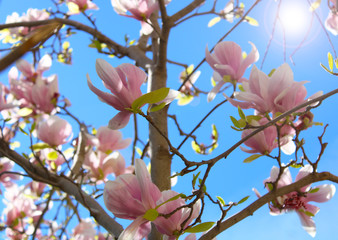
<point>106,97</point>
<point>214,91</point>
<point>109,75</point>
<point>132,231</point>
<point>119,121</point>
<point>149,192</point>
<point>324,194</point>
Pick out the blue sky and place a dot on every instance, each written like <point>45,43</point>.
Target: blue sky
<point>230,178</point>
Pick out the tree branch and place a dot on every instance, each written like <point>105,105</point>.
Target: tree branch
<point>248,211</point>
<point>66,185</point>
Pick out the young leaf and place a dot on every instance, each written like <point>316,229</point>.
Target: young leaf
<point>241,113</point>
<point>202,227</point>
<point>39,146</point>
<point>314,190</point>
<point>196,147</point>
<point>24,112</point>
<point>151,97</point>
<point>157,107</point>
<point>235,122</point>
<point>221,201</point>
<point>194,179</point>
<point>151,214</point>
<point>330,59</point>
<point>252,21</point>
<point>243,200</point>
<point>252,158</point>
<point>52,155</point>
<point>315,5</point>
<point>213,21</point>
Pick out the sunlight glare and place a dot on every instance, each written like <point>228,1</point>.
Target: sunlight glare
<point>294,18</point>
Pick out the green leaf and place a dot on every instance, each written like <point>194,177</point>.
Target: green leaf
<point>325,68</point>
<point>213,21</point>
<point>151,97</point>
<point>252,21</point>
<point>314,190</point>
<point>253,117</point>
<point>252,158</point>
<point>194,179</point>
<point>330,59</point>
<point>221,201</point>
<point>23,131</point>
<point>243,200</point>
<point>52,155</point>
<point>157,107</point>
<point>310,214</point>
<point>202,227</point>
<point>235,122</point>
<point>171,199</point>
<point>241,113</point>
<point>39,146</point>
<point>242,123</point>
<point>151,214</point>
<point>271,72</point>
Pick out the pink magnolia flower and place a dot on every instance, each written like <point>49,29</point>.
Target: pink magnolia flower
<point>31,88</point>
<point>32,15</point>
<point>100,165</point>
<point>6,165</point>
<point>29,71</point>
<point>299,201</point>
<point>45,94</point>
<point>278,93</point>
<point>130,197</point>
<point>140,10</point>
<point>107,139</point>
<point>11,35</point>
<point>77,6</point>
<point>124,82</point>
<point>265,141</point>
<point>172,225</point>
<point>17,206</point>
<point>54,131</point>
<point>331,22</point>
<point>4,103</point>
<point>227,60</point>
<point>84,230</point>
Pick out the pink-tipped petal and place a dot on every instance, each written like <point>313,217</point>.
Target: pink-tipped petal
<point>119,121</point>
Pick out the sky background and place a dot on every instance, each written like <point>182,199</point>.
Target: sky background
<point>231,179</point>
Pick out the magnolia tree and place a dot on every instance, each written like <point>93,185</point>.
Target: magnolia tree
<point>63,177</point>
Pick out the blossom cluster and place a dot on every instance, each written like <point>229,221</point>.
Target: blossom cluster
<point>298,201</point>
<point>269,95</point>
<point>13,35</point>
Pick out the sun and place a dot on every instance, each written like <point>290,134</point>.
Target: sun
<point>294,17</point>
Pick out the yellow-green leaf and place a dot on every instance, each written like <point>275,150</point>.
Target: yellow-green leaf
<point>315,5</point>
<point>213,21</point>
<point>252,158</point>
<point>52,156</point>
<point>196,147</point>
<point>151,214</point>
<point>202,227</point>
<point>151,97</point>
<point>24,112</point>
<point>330,59</point>
<point>252,21</point>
